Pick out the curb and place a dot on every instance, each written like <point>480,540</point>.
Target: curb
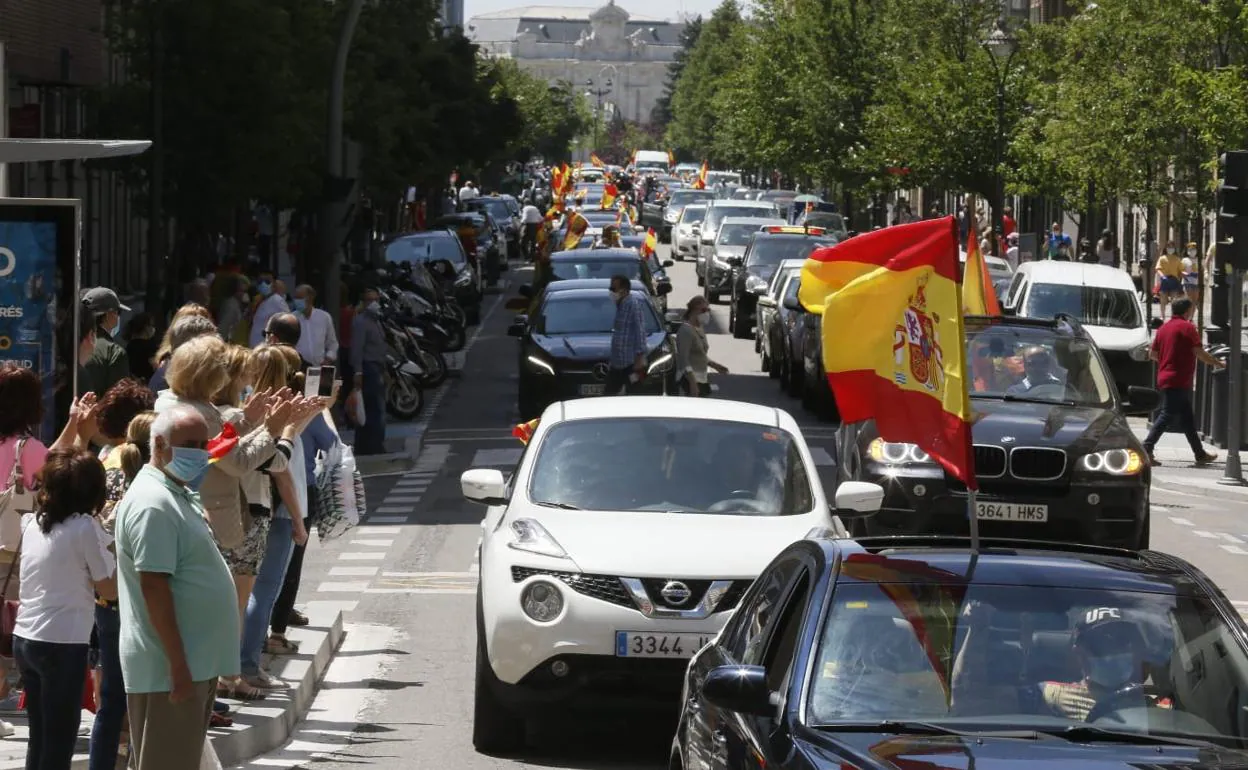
<point>1211,489</point>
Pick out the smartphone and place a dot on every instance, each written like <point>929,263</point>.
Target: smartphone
<point>312,381</point>
<point>328,382</point>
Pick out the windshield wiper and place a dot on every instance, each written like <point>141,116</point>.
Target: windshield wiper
<point>1092,733</point>
<point>909,727</point>
<point>553,504</point>
<point>1027,400</point>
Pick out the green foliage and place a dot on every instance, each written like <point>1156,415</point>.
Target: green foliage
<point>624,137</point>
<point>551,116</point>
<point>661,114</point>
<point>711,62</point>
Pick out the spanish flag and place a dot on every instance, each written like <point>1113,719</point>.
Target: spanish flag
<point>671,159</point>
<point>893,339</point>
<point>525,430</point>
<point>700,182</point>
<point>650,243</point>
<point>978,295</point>
<point>556,181</point>
<point>223,443</point>
<point>609,193</point>
<point>595,161</point>
<point>577,225</point>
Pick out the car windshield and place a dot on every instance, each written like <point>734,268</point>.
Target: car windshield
<point>736,235</point>
<point>692,214</point>
<point>827,220</point>
<point>1023,363</point>
<point>1092,305</point>
<point>426,248</point>
<point>916,643</point>
<point>601,218</point>
<point>685,197</point>
<point>496,207</point>
<point>772,250</point>
<point>569,269</point>
<point>564,315</point>
<point>675,465</point>
<point>719,213</point>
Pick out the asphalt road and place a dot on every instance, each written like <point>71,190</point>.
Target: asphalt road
<point>399,694</point>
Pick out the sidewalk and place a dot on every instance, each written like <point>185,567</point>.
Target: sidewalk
<point>1178,471</point>
<point>258,727</point>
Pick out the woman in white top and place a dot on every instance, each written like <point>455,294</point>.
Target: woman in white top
<point>692,360</point>
<point>65,562</point>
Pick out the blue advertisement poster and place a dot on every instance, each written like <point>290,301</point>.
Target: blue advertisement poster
<point>28,288</point>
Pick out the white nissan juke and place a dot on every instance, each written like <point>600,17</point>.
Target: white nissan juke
<point>628,532</point>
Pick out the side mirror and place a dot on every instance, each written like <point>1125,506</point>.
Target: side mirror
<point>766,301</point>
<point>518,326</point>
<point>858,499</point>
<point>526,291</point>
<point>668,263</point>
<point>663,289</point>
<point>484,485</point>
<point>792,303</point>
<point>759,290</point>
<point>1142,399</point>
<point>1156,323</point>
<point>742,689</point>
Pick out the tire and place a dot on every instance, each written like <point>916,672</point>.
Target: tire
<point>796,384</point>
<point>741,329</point>
<point>771,364</point>
<point>404,400</point>
<point>783,369</point>
<point>495,729</point>
<point>456,338</point>
<point>434,364</point>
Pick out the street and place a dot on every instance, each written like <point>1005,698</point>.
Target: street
<point>399,693</point>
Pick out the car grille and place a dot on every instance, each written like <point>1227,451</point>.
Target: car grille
<point>989,461</point>
<point>1037,464</point>
<point>603,587</point>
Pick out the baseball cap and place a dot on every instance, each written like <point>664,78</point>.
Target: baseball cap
<point>102,299</point>
<point>1099,620</point>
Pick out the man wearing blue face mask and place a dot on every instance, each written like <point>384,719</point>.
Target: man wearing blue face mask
<point>272,301</point>
<point>108,363</point>
<point>318,344</point>
<point>179,611</point>
<point>368,362</point>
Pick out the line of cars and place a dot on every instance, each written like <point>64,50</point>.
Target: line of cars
<point>681,555</point>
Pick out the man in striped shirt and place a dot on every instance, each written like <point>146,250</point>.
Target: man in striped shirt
<point>627,365</point>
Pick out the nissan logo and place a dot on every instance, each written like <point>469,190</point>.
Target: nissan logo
<point>600,371</point>
<point>676,593</point>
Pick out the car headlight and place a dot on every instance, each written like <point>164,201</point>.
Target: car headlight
<point>542,601</point>
<point>540,365</point>
<point>532,537</point>
<point>754,283</point>
<point>896,453</point>
<point>1115,462</point>
<point>661,364</point>
<point>670,216</point>
<point>1140,352</point>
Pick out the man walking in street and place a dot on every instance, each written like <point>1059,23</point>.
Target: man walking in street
<point>628,338</point>
<point>368,361</point>
<point>532,218</point>
<point>318,344</point>
<point>108,363</point>
<point>179,609</point>
<point>1176,348</point>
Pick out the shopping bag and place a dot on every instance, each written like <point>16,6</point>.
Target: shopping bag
<point>16,500</point>
<point>339,493</point>
<point>208,757</point>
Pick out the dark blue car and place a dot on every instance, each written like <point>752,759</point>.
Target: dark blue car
<point>905,653</point>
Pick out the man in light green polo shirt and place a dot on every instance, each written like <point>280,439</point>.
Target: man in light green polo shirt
<point>179,611</point>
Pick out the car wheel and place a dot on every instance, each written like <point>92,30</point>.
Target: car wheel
<point>495,730</point>
<point>1145,533</point>
<point>771,364</point>
<point>796,384</point>
<point>742,329</point>
<point>783,367</point>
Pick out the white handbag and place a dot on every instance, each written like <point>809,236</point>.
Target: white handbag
<point>16,500</point>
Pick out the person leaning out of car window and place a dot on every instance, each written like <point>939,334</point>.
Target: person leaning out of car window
<point>692,361</point>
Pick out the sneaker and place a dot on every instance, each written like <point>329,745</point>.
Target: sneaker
<point>1206,457</point>
<point>6,729</point>
<point>280,645</point>
<point>266,681</point>
<point>297,618</point>
<point>9,705</point>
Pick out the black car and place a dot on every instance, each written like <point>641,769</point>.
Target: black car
<point>604,263</point>
<point>909,653</point>
<point>1054,455</point>
<point>773,313</point>
<point>487,250</point>
<point>435,246</point>
<point>770,247</point>
<point>565,346</point>
<point>501,215</point>
<point>815,392</point>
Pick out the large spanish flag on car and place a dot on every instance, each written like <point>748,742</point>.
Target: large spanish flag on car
<point>700,182</point>
<point>609,194</point>
<point>893,340</point>
<point>577,225</point>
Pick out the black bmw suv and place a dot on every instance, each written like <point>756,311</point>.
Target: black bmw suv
<point>1054,456</point>
<point>770,247</point>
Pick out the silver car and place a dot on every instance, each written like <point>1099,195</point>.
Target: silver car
<point>716,211</point>
<point>685,233</point>
<point>731,240</point>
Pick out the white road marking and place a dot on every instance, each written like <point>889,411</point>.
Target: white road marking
<point>366,529</point>
<point>406,499</point>
<point>332,605</point>
<point>429,591</point>
<point>395,509</point>
<point>1182,522</point>
<point>488,458</point>
<point>1228,537</point>
<point>387,519</point>
<point>373,543</point>
<point>1233,549</point>
<point>1205,534</point>
<point>343,588</point>
<point>821,456</point>
<point>409,485</point>
<point>353,571</point>
<point>427,574</point>
<point>361,556</point>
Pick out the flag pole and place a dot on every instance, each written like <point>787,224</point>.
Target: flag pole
<point>972,491</point>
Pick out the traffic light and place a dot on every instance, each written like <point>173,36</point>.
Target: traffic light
<point>1233,208</point>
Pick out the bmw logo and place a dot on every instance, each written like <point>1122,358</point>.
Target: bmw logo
<point>676,593</point>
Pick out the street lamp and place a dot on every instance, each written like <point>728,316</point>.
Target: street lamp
<point>1001,48</point>
<point>597,94</point>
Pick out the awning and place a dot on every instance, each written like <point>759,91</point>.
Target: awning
<point>34,150</point>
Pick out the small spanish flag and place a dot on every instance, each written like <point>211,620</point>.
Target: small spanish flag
<point>700,182</point>
<point>524,431</point>
<point>594,160</point>
<point>650,243</point>
<point>609,193</point>
<point>979,297</point>
<point>224,442</point>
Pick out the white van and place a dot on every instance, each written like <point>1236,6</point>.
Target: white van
<point>1102,298</point>
<point>652,160</point>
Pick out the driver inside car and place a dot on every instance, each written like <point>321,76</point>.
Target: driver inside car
<point>1038,371</point>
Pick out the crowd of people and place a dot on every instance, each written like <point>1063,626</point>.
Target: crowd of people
<point>152,553</point>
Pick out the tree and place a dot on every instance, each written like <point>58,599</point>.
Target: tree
<point>711,61</point>
<point>551,116</point>
<point>661,113</point>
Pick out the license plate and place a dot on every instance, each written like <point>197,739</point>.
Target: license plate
<point>640,644</point>
<point>1026,512</point>
<point>593,390</point>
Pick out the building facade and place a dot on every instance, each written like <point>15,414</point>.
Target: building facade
<point>452,13</point>
<point>587,47</point>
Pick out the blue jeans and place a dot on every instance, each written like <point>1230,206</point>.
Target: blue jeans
<point>53,676</point>
<point>370,438</point>
<point>269,580</point>
<point>106,732</point>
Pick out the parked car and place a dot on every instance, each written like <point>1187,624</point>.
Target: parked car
<point>466,284</point>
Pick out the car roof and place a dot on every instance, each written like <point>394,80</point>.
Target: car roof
<point>1063,325</point>
<point>587,286</point>
<point>672,408</point>
<point>1077,274</point>
<point>791,264</point>
<point>727,202</point>
<point>1024,563</point>
<point>583,254</point>
<point>433,233</point>
<point>760,221</point>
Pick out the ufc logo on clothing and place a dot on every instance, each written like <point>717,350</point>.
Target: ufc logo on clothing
<point>1101,613</point>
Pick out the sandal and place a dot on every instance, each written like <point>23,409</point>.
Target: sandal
<point>240,689</point>
<point>220,720</point>
<point>278,644</point>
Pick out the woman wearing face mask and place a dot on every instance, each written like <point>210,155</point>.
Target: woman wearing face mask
<point>1168,284</point>
<point>692,361</point>
<point>1190,273</point>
